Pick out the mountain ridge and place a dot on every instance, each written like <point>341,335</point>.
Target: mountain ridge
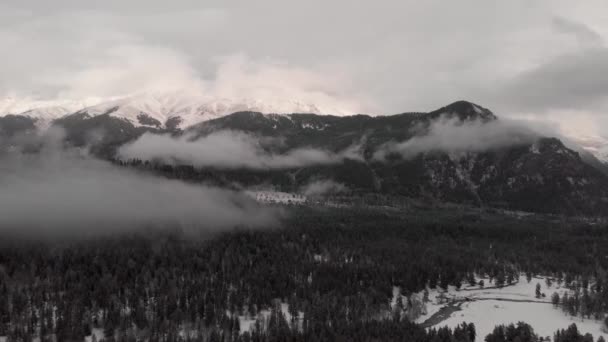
<point>158,108</point>
<point>539,174</point>
<point>182,110</point>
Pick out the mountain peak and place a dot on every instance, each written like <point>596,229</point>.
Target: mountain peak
<point>465,111</point>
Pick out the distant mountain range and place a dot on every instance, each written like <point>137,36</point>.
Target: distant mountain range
<point>158,110</point>
<point>541,175</point>
<point>181,110</point>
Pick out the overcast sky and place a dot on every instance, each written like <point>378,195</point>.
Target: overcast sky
<point>542,59</point>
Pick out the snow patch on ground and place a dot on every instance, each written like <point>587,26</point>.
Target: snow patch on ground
<point>544,318</point>
<point>488,307</point>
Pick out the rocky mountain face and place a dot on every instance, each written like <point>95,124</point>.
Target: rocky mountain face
<point>539,175</point>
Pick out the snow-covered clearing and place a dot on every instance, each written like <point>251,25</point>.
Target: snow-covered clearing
<point>488,307</point>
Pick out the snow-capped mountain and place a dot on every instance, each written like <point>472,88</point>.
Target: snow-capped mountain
<point>44,111</point>
<point>159,109</point>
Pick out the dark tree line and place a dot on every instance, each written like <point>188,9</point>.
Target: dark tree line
<point>585,299</point>
<point>522,332</point>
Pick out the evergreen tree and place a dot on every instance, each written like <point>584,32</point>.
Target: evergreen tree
<point>555,299</point>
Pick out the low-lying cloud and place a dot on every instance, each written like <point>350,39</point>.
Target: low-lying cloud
<point>56,192</point>
<point>227,150</point>
<point>454,137</point>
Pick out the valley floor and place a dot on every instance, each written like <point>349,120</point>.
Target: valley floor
<point>491,306</point>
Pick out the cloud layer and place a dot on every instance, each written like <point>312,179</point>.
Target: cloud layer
<point>456,137</point>
<point>55,192</point>
<point>227,150</point>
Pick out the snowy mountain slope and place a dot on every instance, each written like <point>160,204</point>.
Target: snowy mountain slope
<point>178,109</point>
<point>190,110</point>
<point>41,110</point>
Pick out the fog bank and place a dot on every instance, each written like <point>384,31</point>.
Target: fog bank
<point>227,150</point>
<point>55,192</point>
<point>453,136</point>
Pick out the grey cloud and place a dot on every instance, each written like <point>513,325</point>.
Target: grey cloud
<point>400,53</point>
<point>584,33</point>
<point>572,81</point>
<point>56,192</point>
<point>227,149</point>
<point>454,137</point>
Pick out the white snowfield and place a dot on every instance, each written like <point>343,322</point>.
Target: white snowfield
<point>488,307</point>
